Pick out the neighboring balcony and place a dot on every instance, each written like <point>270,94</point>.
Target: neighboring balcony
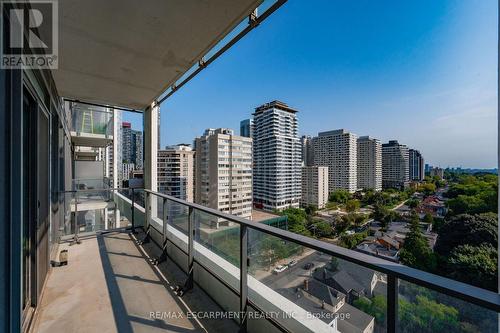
<point>91,126</point>
<point>177,263</point>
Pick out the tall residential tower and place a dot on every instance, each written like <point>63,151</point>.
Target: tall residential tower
<point>176,172</point>
<point>277,157</point>
<point>395,165</point>
<point>338,151</point>
<point>223,172</point>
<point>369,163</point>
<point>417,165</point>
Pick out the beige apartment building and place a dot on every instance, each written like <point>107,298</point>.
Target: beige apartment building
<point>369,163</point>
<point>176,172</point>
<point>223,172</point>
<point>314,186</point>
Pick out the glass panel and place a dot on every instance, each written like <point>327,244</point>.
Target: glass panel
<point>178,215</point>
<point>91,119</point>
<point>424,311</point>
<point>218,235</point>
<point>320,292</point>
<point>89,184</point>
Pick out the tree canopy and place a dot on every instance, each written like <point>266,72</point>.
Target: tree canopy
<point>467,229</point>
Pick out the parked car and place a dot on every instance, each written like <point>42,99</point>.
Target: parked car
<point>292,263</point>
<point>279,269</point>
<point>309,265</point>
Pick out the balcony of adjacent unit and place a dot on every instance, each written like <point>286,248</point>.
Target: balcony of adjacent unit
<point>91,126</point>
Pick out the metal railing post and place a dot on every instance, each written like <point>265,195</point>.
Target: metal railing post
<point>76,239</point>
<point>148,217</point>
<point>243,278</point>
<point>164,255</point>
<point>133,212</point>
<point>188,285</point>
<point>165,219</point>
<point>392,303</point>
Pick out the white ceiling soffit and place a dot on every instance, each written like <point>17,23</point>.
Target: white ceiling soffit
<point>127,52</point>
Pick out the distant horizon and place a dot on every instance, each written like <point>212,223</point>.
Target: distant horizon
<point>423,73</point>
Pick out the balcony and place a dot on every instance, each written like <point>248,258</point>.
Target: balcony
<point>168,259</point>
<point>91,126</point>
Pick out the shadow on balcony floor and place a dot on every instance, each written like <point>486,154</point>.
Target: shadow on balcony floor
<point>109,286</point>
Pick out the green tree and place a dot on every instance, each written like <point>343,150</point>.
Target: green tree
<point>311,209</point>
<point>322,228</point>
<point>376,307</point>
<point>428,218</point>
<point>351,241</point>
<point>341,223</point>
<point>339,196</point>
<point>427,316</point>
<point>467,230</point>
<point>352,205</point>
<point>427,188</point>
<point>476,265</point>
<point>416,251</point>
<point>412,203</point>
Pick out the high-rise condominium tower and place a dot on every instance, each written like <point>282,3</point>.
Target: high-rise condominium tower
<point>338,151</point>
<point>277,157</point>
<point>132,146</point>
<point>246,128</point>
<point>223,172</point>
<point>417,165</point>
<point>307,150</point>
<point>369,163</point>
<point>176,172</point>
<point>314,186</point>
<point>395,165</point>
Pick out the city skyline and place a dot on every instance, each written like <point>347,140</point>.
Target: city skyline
<point>428,67</point>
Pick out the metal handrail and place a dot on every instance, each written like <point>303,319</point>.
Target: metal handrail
<point>102,189</point>
<point>463,291</point>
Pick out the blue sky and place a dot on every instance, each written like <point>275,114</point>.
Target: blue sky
<point>423,72</point>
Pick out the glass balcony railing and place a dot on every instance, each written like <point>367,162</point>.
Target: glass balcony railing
<point>91,184</point>
<point>91,120</point>
<point>100,209</point>
<point>261,273</point>
<point>300,284</point>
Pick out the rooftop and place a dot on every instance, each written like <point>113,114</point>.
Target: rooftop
<point>275,105</point>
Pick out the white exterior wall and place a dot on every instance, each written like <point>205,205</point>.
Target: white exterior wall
<point>338,151</point>
<point>369,163</point>
<point>314,186</point>
<point>277,157</point>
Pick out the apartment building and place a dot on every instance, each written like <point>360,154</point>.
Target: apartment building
<point>223,172</point>
<point>337,150</point>
<point>395,165</point>
<point>369,163</point>
<point>436,171</point>
<point>416,165</point>
<point>277,157</point>
<point>132,145</point>
<point>314,186</point>
<point>307,150</point>
<point>176,171</point>
<point>246,128</point>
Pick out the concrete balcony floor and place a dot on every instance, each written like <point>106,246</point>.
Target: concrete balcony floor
<point>109,286</point>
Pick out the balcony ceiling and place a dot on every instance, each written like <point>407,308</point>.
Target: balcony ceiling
<point>126,53</point>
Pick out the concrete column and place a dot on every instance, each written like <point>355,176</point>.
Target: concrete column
<point>151,155</point>
<point>151,146</point>
<point>116,157</point>
<point>106,226</point>
<point>117,218</point>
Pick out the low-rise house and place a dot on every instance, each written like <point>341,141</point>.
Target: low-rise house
<point>331,306</point>
<point>432,205</point>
